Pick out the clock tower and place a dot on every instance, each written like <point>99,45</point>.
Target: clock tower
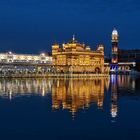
<point>114,41</point>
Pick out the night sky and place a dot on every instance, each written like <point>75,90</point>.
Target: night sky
<point>32,26</point>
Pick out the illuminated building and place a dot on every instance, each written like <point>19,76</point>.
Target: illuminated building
<point>74,57</point>
<point>24,58</point>
<point>114,59</point>
<point>118,64</point>
<point>11,63</point>
<point>115,36</point>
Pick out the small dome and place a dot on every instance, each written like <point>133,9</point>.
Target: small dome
<point>87,48</point>
<point>42,54</point>
<point>115,32</point>
<point>55,46</point>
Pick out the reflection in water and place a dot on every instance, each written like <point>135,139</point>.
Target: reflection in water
<point>113,96</point>
<point>77,94</point>
<point>17,87</point>
<point>119,85</point>
<point>70,94</point>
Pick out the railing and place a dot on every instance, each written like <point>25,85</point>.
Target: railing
<point>52,75</point>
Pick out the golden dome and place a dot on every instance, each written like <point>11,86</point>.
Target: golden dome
<point>55,46</point>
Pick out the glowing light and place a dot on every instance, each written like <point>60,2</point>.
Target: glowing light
<point>42,54</point>
<point>10,95</point>
<point>115,32</point>
<point>73,38</point>
<point>114,113</point>
<point>10,52</point>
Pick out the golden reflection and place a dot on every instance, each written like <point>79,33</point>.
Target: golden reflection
<point>71,94</point>
<point>77,94</point>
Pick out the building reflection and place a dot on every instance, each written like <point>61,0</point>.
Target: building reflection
<point>77,94</point>
<point>126,82</point>
<point>114,108</point>
<point>120,85</point>
<point>11,88</point>
<point>72,94</point>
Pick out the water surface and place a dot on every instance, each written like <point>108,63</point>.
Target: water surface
<point>70,109</point>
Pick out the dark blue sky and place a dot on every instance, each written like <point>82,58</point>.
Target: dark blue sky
<point>31,26</point>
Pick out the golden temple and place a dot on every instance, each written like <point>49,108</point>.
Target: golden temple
<point>74,57</point>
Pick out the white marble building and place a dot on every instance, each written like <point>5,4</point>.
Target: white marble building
<point>10,57</point>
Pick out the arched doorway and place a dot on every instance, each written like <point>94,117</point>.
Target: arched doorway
<point>97,70</point>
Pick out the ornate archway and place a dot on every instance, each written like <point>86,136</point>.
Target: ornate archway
<point>97,70</point>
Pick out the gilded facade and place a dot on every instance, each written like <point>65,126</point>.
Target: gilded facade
<point>74,57</point>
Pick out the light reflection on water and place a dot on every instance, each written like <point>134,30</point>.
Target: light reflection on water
<point>99,108</point>
<point>71,94</point>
